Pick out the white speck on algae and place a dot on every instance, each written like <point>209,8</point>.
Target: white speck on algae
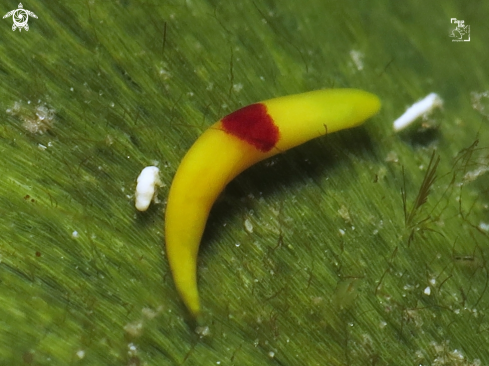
<point>357,58</point>
<point>480,102</point>
<point>248,226</point>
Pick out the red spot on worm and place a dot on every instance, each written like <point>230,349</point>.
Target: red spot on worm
<point>253,125</point>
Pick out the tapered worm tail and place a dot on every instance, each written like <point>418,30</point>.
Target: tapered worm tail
<point>233,144</point>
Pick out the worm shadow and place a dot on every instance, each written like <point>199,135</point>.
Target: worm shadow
<point>422,137</point>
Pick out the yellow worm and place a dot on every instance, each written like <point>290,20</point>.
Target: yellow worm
<point>233,144</point>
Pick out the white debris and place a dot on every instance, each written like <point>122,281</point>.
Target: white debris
<point>237,87</point>
<point>248,226</point>
<point>148,181</point>
<point>344,213</point>
<point>418,109</point>
<point>203,331</point>
<point>427,291</point>
<point>392,157</point>
<point>480,102</point>
<point>134,329</point>
<point>357,58</point>
<point>483,226</point>
<point>132,349</point>
<point>36,120</point>
<point>149,313</point>
<point>474,174</point>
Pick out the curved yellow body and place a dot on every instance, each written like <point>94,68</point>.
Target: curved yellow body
<point>232,145</point>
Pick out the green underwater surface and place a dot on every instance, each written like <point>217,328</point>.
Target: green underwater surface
<point>363,247</point>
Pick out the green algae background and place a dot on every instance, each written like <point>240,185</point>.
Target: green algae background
<point>364,247</point>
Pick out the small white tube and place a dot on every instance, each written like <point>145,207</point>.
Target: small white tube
<point>421,107</point>
<point>148,180</point>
